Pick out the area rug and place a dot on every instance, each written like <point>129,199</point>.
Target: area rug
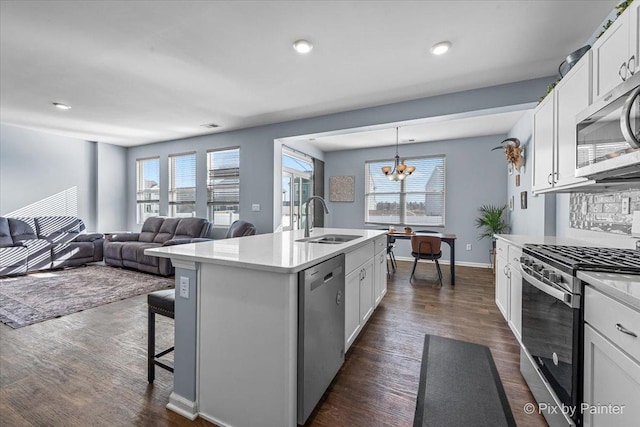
<point>36,297</point>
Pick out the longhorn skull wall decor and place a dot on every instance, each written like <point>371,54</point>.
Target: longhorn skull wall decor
<point>513,151</point>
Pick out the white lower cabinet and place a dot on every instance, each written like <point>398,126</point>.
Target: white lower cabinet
<point>380,276</point>
<point>515,305</point>
<point>611,361</point>
<point>351,307</point>
<point>502,287</point>
<point>365,286</point>
<point>611,383</point>
<point>509,285</point>
<point>366,292</point>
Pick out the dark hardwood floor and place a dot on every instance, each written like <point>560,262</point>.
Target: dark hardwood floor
<point>89,368</point>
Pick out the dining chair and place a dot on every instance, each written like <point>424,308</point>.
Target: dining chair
<point>426,247</point>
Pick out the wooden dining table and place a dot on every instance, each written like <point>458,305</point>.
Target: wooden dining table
<point>449,239</point>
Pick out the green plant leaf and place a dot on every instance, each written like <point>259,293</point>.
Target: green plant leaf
<point>491,221</point>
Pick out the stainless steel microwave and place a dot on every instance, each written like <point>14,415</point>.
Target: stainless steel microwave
<point>608,134</point>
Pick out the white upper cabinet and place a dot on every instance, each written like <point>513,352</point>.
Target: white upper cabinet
<point>572,95</point>
<point>615,53</point>
<point>543,143</point>
<point>554,130</point>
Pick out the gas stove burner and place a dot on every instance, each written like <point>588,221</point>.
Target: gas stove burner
<point>573,258</point>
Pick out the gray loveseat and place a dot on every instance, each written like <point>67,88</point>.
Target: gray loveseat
<point>127,249</point>
<point>41,243</point>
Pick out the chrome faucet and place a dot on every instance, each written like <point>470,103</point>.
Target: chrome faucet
<point>306,213</point>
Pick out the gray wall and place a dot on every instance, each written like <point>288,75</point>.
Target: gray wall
<point>259,164</point>
<point>474,175</point>
<point>45,174</point>
<point>539,217</point>
<point>111,184</point>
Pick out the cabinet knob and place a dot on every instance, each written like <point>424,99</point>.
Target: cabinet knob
<point>549,178</point>
<point>631,69</point>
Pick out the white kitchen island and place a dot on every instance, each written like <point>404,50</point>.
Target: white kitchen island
<point>236,319</point>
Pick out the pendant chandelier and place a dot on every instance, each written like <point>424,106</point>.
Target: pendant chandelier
<point>399,171</point>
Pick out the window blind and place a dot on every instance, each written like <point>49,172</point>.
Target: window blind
<point>223,186</point>
<point>418,200</point>
<point>182,185</point>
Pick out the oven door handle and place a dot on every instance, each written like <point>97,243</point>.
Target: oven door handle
<point>569,299</point>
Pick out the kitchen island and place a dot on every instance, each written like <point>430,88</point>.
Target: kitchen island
<point>236,319</point>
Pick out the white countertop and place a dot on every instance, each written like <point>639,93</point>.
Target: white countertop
<point>520,240</point>
<point>278,252</point>
<point>624,287</point>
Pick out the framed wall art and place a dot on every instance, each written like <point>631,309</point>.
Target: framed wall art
<point>342,188</point>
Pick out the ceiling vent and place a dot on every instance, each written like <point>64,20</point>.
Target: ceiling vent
<point>210,125</point>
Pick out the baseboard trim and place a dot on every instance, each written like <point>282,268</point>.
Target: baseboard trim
<point>182,406</point>
<point>446,262</point>
<point>214,420</point>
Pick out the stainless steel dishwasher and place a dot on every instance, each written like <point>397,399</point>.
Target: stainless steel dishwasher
<point>320,331</point>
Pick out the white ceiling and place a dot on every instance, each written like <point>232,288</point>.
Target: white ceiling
<point>140,71</point>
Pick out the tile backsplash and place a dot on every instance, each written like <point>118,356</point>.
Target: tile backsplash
<point>603,211</point>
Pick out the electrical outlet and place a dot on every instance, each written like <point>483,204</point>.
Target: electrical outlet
<point>468,246</point>
<point>184,287</point>
<point>626,205</point>
<point>255,207</point>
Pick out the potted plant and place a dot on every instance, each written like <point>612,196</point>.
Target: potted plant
<point>491,221</point>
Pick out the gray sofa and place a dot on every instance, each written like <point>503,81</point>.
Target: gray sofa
<point>127,249</point>
<point>41,243</point>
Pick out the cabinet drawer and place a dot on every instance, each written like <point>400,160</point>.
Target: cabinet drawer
<point>357,257</point>
<point>502,249</point>
<point>380,244</point>
<point>514,255</point>
<point>604,313</point>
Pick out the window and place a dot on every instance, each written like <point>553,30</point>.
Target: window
<point>223,186</point>
<point>147,188</point>
<point>182,185</point>
<point>418,200</point>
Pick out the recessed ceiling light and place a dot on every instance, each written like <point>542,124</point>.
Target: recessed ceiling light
<point>62,106</point>
<point>303,46</point>
<point>440,48</point>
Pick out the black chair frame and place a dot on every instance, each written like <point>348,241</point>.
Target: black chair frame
<point>152,356</point>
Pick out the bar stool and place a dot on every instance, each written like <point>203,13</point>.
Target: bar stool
<point>163,303</point>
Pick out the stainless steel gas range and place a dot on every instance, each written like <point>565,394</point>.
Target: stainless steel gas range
<point>552,316</point>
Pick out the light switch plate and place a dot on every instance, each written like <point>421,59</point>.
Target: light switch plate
<point>184,287</point>
<point>255,207</point>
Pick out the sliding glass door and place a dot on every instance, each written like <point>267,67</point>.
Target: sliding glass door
<point>297,187</point>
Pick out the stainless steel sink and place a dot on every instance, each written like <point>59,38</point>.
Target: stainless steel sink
<point>331,239</point>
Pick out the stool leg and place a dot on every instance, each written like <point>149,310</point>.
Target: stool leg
<point>151,348</point>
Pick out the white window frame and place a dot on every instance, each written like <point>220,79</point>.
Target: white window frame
<point>172,185</point>
<point>140,218</point>
<point>210,188</point>
<point>403,193</point>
